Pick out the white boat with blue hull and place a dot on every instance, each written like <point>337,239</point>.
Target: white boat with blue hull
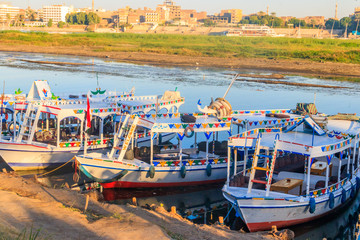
<point>280,193</point>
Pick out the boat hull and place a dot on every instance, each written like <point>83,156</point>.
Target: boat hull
<point>140,178</point>
<point>23,157</point>
<point>260,214</point>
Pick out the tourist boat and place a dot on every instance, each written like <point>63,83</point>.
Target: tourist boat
<point>165,165</point>
<point>325,163</point>
<point>50,130</point>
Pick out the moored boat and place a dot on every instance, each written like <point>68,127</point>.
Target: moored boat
<point>308,172</point>
<point>164,166</point>
<point>50,129</point>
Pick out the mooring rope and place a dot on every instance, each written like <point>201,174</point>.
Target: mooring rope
<point>40,175</point>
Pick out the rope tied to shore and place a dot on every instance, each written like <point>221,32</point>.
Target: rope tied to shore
<point>43,174</point>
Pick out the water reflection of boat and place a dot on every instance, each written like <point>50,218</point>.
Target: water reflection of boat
<point>188,201</point>
<point>265,195</point>
<point>341,225</point>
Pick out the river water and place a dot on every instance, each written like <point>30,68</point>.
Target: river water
<point>204,204</point>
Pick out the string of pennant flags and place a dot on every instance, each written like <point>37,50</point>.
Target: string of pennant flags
<point>95,142</point>
<point>265,122</point>
<point>98,110</point>
<point>192,125</point>
<point>190,162</point>
<point>122,96</point>
<point>340,135</point>
<point>241,112</point>
<point>126,107</point>
<point>335,146</point>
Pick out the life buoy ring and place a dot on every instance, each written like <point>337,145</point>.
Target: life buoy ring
<point>186,132</point>
<point>11,128</point>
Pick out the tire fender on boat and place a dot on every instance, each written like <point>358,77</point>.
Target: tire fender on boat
<point>183,171</point>
<point>312,204</point>
<point>331,201</point>
<point>152,171</point>
<point>186,132</point>
<point>352,191</point>
<point>343,196</point>
<point>357,183</point>
<point>208,170</point>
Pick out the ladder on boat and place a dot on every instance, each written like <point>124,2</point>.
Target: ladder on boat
<point>130,134</point>
<point>118,137</point>
<point>29,124</point>
<point>269,168</point>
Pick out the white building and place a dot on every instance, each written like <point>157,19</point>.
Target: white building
<point>55,12</point>
<point>6,10</point>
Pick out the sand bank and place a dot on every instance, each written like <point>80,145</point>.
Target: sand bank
<point>59,214</point>
<point>283,66</point>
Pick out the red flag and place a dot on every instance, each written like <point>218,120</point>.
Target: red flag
<point>88,116</point>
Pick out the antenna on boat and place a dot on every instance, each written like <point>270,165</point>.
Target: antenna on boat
<point>232,82</point>
<point>97,80</point>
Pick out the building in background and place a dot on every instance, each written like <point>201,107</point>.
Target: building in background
<point>7,11</point>
<point>151,17</point>
<point>55,12</point>
<point>234,15</point>
<point>315,20</point>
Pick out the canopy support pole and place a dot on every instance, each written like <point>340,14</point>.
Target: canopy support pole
<point>339,170</point>
<point>228,167</point>
<point>151,148</point>
<point>308,176</point>
<point>235,160</point>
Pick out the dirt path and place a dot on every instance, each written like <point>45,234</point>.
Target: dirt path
<point>25,204</point>
<point>305,67</point>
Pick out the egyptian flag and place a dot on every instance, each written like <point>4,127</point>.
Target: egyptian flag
<point>88,116</point>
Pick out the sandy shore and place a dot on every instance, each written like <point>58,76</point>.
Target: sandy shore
<point>302,67</point>
<point>25,205</point>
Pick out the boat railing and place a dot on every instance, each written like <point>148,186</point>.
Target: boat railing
<point>90,142</point>
<point>188,162</point>
<point>274,122</point>
<point>323,191</point>
<point>262,112</point>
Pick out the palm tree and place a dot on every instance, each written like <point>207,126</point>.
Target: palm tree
<point>357,18</point>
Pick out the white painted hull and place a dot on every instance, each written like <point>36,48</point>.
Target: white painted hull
<point>140,178</point>
<point>21,156</point>
<point>260,214</point>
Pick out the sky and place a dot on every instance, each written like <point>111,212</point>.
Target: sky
<point>297,8</point>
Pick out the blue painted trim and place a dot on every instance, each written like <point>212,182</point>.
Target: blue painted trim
<point>142,170</point>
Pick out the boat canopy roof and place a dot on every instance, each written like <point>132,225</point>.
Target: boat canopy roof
<point>202,124</point>
<point>300,141</point>
<point>144,104</point>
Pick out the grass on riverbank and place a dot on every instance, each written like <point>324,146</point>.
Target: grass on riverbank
<point>332,50</point>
